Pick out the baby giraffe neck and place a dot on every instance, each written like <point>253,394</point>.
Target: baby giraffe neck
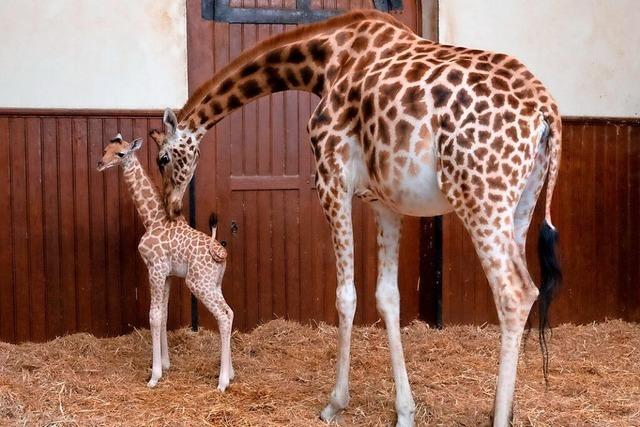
<point>143,191</point>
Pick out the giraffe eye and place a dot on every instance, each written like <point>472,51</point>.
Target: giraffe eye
<point>120,155</point>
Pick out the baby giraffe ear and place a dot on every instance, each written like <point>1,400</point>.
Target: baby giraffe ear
<point>170,121</point>
<point>136,144</point>
<point>157,136</point>
<point>117,138</point>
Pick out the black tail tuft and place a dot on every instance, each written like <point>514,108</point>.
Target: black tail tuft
<point>213,220</point>
<point>551,279</point>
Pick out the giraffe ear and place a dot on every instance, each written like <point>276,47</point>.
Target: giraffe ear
<point>157,136</point>
<point>117,138</point>
<point>170,121</point>
<point>136,144</point>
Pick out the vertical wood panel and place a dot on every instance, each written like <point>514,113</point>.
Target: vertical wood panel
<point>53,315</point>
<point>307,200</point>
<point>81,215</point>
<point>7,305</point>
<point>630,296</point>
<point>67,224</point>
<point>97,221</point>
<point>35,238</point>
<point>20,216</point>
<point>595,210</point>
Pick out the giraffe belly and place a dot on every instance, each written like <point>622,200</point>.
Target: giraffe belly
<point>179,269</point>
<point>417,192</point>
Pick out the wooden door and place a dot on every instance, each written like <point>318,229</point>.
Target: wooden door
<point>256,170</point>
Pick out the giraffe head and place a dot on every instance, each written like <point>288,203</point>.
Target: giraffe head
<point>178,155</point>
<point>117,152</point>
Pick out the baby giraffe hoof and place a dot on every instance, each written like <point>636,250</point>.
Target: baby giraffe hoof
<point>152,383</point>
<point>337,402</point>
<point>493,422</point>
<point>166,365</point>
<point>222,386</point>
<point>329,413</point>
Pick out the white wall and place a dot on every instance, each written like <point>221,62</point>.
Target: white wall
<point>587,52</point>
<point>129,54</point>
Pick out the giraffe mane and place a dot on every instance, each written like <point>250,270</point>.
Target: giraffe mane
<point>283,39</point>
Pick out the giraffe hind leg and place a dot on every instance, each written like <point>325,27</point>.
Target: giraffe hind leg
<point>206,286</point>
<point>528,200</point>
<point>164,344</point>
<point>157,280</point>
<point>514,293</point>
<point>486,202</point>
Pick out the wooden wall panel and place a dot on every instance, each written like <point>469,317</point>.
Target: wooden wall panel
<point>595,208</point>
<point>71,262</point>
<point>69,259</point>
<point>7,306</point>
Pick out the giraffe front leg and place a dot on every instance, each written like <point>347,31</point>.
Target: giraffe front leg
<point>342,234</point>
<point>164,344</point>
<point>388,302</point>
<point>157,281</point>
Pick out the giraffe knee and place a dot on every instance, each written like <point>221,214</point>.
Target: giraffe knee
<point>227,314</point>
<point>155,318</point>
<point>387,300</point>
<point>346,300</point>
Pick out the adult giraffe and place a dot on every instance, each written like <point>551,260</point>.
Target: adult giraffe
<point>414,128</point>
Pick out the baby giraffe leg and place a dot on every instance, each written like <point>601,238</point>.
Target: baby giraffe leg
<point>157,279</point>
<point>165,313</point>
<point>224,317</point>
<point>208,291</point>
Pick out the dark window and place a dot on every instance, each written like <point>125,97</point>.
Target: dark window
<point>220,10</point>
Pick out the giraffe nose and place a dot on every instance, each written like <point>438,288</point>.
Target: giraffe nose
<point>100,164</point>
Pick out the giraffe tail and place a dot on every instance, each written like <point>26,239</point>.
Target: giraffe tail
<point>551,274</point>
<point>213,224</point>
<point>216,249</point>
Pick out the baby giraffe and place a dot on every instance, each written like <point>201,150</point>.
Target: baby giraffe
<point>173,248</point>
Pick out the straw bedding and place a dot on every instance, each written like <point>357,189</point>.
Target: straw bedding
<point>284,372</point>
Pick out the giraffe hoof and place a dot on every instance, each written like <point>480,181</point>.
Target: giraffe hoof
<point>406,417</point>
<point>329,413</point>
<point>222,386</point>
<point>492,419</point>
<point>152,383</point>
<point>166,365</point>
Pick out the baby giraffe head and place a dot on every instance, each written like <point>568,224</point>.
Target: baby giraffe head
<point>117,152</point>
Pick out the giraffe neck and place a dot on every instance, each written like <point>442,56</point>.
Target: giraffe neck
<point>308,59</point>
<point>281,69</point>
<point>143,191</point>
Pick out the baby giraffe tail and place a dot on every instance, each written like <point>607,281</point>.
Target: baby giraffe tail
<point>217,250</point>
<point>213,224</point>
